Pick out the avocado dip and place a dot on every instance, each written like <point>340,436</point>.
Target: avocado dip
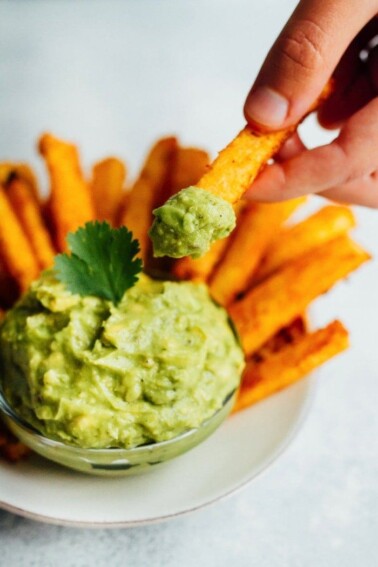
<point>92,374</point>
<point>189,222</point>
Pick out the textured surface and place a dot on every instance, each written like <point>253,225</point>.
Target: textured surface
<point>113,76</point>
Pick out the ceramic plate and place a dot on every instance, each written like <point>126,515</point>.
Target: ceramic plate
<point>244,446</point>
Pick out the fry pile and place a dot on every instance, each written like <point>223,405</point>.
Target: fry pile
<point>265,273</point>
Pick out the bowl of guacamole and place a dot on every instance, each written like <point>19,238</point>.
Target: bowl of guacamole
<point>111,388</point>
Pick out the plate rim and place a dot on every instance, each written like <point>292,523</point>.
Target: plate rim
<point>312,385</point>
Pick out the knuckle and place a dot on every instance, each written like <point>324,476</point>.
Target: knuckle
<point>303,46</point>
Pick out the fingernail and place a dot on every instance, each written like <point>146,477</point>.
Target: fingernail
<point>266,107</point>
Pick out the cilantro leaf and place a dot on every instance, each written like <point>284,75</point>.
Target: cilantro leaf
<point>102,261</point>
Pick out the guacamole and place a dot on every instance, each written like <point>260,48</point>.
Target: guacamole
<point>189,222</point>
<point>92,374</point>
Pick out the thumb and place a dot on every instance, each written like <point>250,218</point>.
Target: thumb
<point>302,60</point>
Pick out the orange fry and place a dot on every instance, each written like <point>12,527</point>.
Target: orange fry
<point>29,214</point>
<point>237,166</point>
<point>108,178</point>
<point>279,299</point>
<point>21,171</point>
<point>326,224</point>
<point>189,165</point>
<point>290,364</point>
<point>15,250</point>
<point>71,202</point>
<point>199,269</point>
<point>285,336</point>
<point>255,231</point>
<point>146,190</point>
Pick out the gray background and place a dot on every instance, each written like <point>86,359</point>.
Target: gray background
<point>113,76</point>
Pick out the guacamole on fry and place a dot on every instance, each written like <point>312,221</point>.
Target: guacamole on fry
<point>92,374</point>
<point>189,222</point>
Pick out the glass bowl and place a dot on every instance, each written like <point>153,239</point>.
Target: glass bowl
<point>113,462</point>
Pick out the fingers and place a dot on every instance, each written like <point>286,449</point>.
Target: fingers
<point>302,60</point>
<point>354,80</point>
<point>351,156</point>
<point>346,102</point>
<point>291,148</point>
<point>363,192</point>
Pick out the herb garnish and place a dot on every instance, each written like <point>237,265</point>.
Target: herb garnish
<point>102,261</point>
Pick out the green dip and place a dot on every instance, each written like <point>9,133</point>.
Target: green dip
<point>92,374</point>
<point>189,222</point>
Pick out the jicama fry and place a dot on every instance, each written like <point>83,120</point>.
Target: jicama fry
<point>237,166</point>
<point>71,202</point>
<point>15,250</point>
<point>279,299</point>
<point>200,269</point>
<point>290,364</point>
<point>189,166</point>
<point>254,233</point>
<point>326,224</point>
<point>146,190</point>
<point>21,171</point>
<point>108,178</point>
<point>282,338</point>
<point>28,213</point>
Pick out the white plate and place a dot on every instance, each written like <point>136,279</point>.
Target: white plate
<point>245,445</point>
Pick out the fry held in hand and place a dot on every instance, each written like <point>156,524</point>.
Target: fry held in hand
<point>190,221</point>
<point>326,224</point>
<point>71,203</point>
<point>279,299</point>
<point>187,226</point>
<point>290,364</point>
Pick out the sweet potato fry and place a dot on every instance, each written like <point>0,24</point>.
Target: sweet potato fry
<point>255,231</point>
<point>285,336</point>
<point>199,269</point>
<point>21,171</point>
<point>108,178</point>
<point>236,167</point>
<point>290,364</point>
<point>326,224</point>
<point>141,200</point>
<point>71,202</point>
<point>189,166</point>
<point>279,299</point>
<point>29,214</point>
<point>15,250</point>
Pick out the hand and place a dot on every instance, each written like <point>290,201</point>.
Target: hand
<point>321,39</point>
